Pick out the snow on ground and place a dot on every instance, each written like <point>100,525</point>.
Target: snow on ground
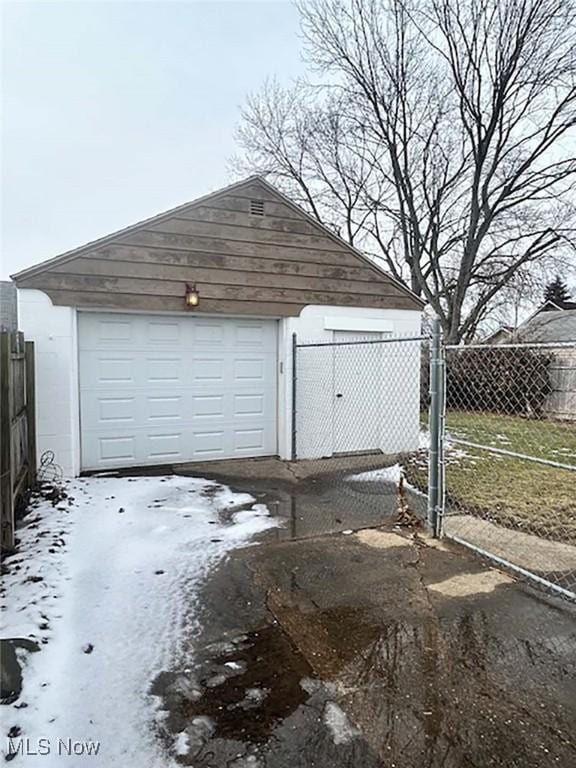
<point>119,566</point>
<point>384,475</point>
<point>339,725</point>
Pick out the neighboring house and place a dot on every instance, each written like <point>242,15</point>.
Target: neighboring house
<point>548,321</point>
<point>128,375</point>
<point>8,306</point>
<point>550,327</point>
<point>501,335</point>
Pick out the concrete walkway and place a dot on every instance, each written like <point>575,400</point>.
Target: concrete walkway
<point>551,560</point>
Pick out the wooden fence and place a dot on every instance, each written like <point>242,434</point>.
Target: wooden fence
<point>17,428</point>
<point>561,403</point>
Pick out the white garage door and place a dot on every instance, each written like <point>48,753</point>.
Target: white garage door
<point>163,389</point>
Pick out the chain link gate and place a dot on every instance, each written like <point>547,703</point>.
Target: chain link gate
<point>356,421</point>
<point>506,456</point>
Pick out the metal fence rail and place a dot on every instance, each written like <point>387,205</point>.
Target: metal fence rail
<point>510,457</point>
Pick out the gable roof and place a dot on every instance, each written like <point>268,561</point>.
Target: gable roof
<point>549,306</point>
<point>551,326</point>
<point>503,330</point>
<point>57,261</point>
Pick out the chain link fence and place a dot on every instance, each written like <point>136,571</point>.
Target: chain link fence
<point>477,441</point>
<point>356,420</point>
<point>510,457</point>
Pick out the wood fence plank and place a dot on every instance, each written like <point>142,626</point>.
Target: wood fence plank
<point>6,484</point>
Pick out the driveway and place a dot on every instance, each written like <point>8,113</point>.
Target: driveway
<point>223,636</point>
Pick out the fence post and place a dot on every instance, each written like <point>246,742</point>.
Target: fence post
<point>6,495</point>
<point>31,412</point>
<point>436,427</point>
<point>293,436</point>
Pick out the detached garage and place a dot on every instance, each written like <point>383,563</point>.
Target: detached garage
<point>170,341</point>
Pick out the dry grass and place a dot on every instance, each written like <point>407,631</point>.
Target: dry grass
<point>515,493</point>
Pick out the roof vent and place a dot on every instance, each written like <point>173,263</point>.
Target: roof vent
<point>257,207</point>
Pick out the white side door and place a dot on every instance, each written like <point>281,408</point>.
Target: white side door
<point>358,392</point>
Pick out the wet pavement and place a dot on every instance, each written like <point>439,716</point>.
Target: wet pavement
<point>316,497</point>
<point>379,648</point>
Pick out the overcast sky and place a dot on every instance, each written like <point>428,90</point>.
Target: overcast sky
<point>114,111</point>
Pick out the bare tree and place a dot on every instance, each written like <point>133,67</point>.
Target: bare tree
<point>438,140</point>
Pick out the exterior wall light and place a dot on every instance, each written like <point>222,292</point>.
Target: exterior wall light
<point>192,297</point>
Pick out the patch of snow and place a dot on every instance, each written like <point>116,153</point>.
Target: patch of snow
<point>216,681</point>
<point>255,696</point>
<point>182,744</point>
<point>343,732</point>
<point>423,440</point>
<point>384,475</point>
<point>311,686</point>
<point>235,665</point>
<point>87,575</point>
<point>199,731</point>
<point>245,761</point>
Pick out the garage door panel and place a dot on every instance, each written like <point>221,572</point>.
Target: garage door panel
<point>115,370</point>
<point>115,448</point>
<point>207,369</point>
<point>163,332</point>
<point>208,443</point>
<point>108,409</point>
<point>155,390</point>
<point>208,406</point>
<point>249,335</point>
<point>206,333</point>
<point>115,331</point>
<point>163,369</point>
<point>249,404</point>
<point>165,407</point>
<point>165,446</point>
<point>249,439</point>
<point>116,409</point>
<point>248,369</point>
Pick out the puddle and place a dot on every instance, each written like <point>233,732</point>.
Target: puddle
<point>358,495</point>
<point>333,506</point>
<point>244,691</point>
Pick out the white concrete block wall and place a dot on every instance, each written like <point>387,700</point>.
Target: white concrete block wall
<point>53,331</point>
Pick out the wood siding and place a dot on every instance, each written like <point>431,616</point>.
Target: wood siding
<point>272,265</point>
